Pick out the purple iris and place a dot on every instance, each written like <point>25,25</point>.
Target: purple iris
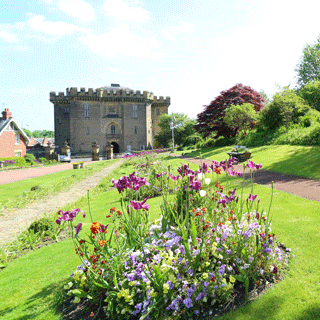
<point>78,229</point>
<point>68,215</point>
<point>139,205</point>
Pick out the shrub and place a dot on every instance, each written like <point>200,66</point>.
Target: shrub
<point>34,188</point>
<point>43,160</point>
<point>18,161</point>
<point>41,225</point>
<point>192,140</point>
<point>30,158</point>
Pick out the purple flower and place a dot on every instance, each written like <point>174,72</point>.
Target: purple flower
<point>251,197</point>
<point>190,292</point>
<point>187,302</point>
<point>222,270</point>
<point>68,215</point>
<point>139,205</point>
<point>78,229</point>
<point>252,165</point>
<point>174,178</point>
<point>190,271</point>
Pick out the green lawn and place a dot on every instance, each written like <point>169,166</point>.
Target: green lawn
<point>29,284</point>
<point>301,161</point>
<point>18,194</point>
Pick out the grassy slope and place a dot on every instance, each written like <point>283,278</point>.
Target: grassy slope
<point>27,295</point>
<point>301,161</point>
<point>17,194</point>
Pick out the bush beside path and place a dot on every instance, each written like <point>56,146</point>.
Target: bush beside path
<point>16,220</point>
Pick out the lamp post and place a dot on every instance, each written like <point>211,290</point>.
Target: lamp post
<point>172,118</point>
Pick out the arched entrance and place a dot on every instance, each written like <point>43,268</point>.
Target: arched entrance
<point>116,147</point>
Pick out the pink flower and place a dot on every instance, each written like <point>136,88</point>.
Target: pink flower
<point>252,165</point>
<point>139,205</point>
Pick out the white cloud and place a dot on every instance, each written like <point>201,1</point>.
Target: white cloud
<point>9,37</point>
<point>57,29</point>
<point>77,8</point>
<point>121,41</point>
<point>174,32</point>
<point>120,11</point>
<point>114,69</point>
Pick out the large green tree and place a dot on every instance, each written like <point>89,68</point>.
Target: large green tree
<point>311,94</point>
<point>308,68</point>
<point>286,107</point>
<point>182,128</point>
<point>241,116</point>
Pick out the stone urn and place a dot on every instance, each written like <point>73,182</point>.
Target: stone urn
<point>95,151</point>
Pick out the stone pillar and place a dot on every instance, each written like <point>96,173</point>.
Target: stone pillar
<point>95,151</point>
<point>48,151</point>
<point>109,151</point>
<point>65,149</point>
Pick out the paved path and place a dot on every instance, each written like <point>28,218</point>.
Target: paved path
<point>8,176</point>
<point>302,187</point>
<point>14,221</point>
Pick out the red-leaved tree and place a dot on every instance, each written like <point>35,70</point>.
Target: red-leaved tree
<point>211,119</point>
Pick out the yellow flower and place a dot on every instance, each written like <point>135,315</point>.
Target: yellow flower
<point>165,288</point>
<point>204,276</point>
<point>232,279</point>
<point>172,278</point>
<point>131,283</point>
<point>207,264</point>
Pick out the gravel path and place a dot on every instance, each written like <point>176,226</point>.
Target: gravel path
<point>8,176</point>
<point>14,221</point>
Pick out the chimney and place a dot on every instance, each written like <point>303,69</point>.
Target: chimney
<point>6,114</point>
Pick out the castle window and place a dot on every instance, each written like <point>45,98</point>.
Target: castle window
<point>111,110</point>
<point>113,129</point>
<point>86,110</point>
<point>88,131</point>
<point>17,138</point>
<point>66,110</point>
<point>158,112</point>
<point>135,112</point>
<point>135,130</point>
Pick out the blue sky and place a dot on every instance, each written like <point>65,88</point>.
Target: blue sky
<point>188,50</point>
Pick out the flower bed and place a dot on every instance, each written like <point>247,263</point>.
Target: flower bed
<point>207,243</point>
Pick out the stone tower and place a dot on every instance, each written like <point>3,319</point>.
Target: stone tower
<point>118,115</point>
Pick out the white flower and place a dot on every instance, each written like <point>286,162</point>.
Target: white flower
<point>200,176</point>
<point>203,193</point>
<point>207,181</point>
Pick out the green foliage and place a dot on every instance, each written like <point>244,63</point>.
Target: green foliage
<point>312,117</point>
<point>43,160</point>
<point>308,68</point>
<point>241,116</point>
<point>182,127</point>
<point>39,133</point>
<point>192,140</point>
<point>34,188</point>
<point>19,161</point>
<point>41,225</point>
<point>311,94</point>
<point>299,136</point>
<point>286,107</point>
<point>30,158</point>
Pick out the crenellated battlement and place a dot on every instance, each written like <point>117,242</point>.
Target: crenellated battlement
<point>162,100</point>
<point>101,93</point>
